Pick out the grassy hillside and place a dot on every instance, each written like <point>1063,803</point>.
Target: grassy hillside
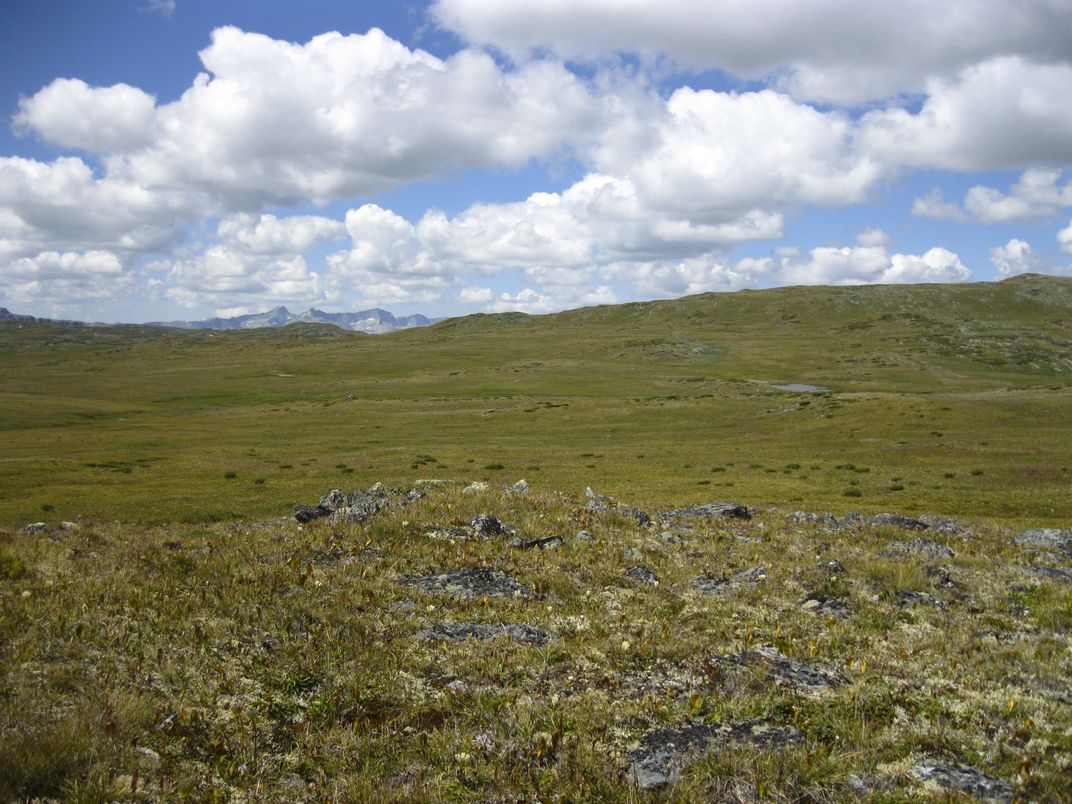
<point>955,399</point>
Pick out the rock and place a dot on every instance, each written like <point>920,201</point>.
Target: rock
<point>1055,573</point>
<point>826,606</point>
<point>519,632</point>
<point>546,543</point>
<point>35,529</point>
<point>963,779</point>
<point>583,536</point>
<point>643,575</point>
<point>475,487</point>
<point>1048,538</point>
<point>896,521</point>
<point>909,597</point>
<point>486,526</point>
<point>942,579</point>
<point>520,487</point>
<point>789,672</point>
<point>664,753</point>
<point>597,502</point>
<point>449,534</point>
<point>307,513</point>
<point>456,687</point>
<point>923,548</point>
<point>810,518</point>
<point>947,527</point>
<point>470,583</point>
<point>714,510</point>
<point>718,586</point>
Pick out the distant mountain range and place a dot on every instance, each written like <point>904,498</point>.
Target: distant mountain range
<point>374,321</point>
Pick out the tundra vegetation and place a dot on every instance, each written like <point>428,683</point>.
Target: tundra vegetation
<point>183,635</point>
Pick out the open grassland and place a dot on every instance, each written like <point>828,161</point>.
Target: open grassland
<point>951,399</point>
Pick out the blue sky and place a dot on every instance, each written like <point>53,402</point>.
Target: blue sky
<point>178,159</point>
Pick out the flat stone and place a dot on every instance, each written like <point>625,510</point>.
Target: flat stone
<point>486,526</point>
<point>35,529</point>
<point>545,543</point>
<point>924,548</point>
<point>519,632</point>
<point>1048,538</point>
<point>664,754</point>
<point>470,583</point>
<point>449,534</point>
<point>475,487</point>
<point>601,504</point>
<point>826,606</point>
<point>643,575</point>
<point>712,510</point>
<point>1054,573</point>
<point>719,586</point>
<point>789,672</point>
<point>908,597</point>
<point>963,779</point>
<point>812,518</point>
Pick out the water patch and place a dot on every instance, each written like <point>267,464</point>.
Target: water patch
<point>794,387</point>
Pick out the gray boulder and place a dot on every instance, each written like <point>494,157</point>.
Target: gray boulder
<point>470,583</point>
<point>1047,538</point>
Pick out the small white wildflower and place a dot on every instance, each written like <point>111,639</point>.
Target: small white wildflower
<point>625,644</point>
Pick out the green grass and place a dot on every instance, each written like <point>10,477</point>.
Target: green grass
<point>139,425</point>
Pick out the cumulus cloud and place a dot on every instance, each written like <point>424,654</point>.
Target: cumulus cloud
<point>1003,113</point>
<point>70,113</point>
<point>1035,195</point>
<point>274,122</point>
<point>1064,239</point>
<point>934,206</point>
<point>1016,257</point>
<point>872,264</point>
<point>64,280</point>
<point>873,237</point>
<point>710,155</point>
<point>839,51</point>
<point>268,234</point>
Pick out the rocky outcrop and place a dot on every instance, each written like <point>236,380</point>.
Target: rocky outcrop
<point>711,510</point>
<point>962,779</point>
<point>1047,538</point>
<point>519,632</point>
<point>664,753</point>
<point>470,583</point>
<point>601,504</point>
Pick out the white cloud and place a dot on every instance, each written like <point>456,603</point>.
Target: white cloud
<point>70,113</point>
<point>1064,239</point>
<point>934,206</point>
<point>269,234</point>
<point>64,280</point>
<point>1035,195</point>
<point>61,206</point>
<point>473,295</point>
<point>165,8</point>
<point>222,276</point>
<point>711,156</point>
<point>841,51</point>
<point>872,264</point>
<point>1016,257</point>
<point>873,237</point>
<point>1003,113</point>
<point>278,122</point>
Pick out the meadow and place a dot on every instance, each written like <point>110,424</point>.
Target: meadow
<point>951,399</point>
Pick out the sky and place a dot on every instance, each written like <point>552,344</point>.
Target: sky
<point>178,159</point>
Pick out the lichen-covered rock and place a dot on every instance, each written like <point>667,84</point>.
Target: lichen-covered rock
<point>471,583</point>
<point>1047,538</point>
<point>1054,573</point>
<point>601,504</point>
<point>713,510</point>
<point>826,606</point>
<point>543,543</point>
<point>910,597</point>
<point>643,575</point>
<point>963,779</point>
<point>519,632</point>
<point>789,672</point>
<point>719,586</point>
<point>664,753</point>
<point>812,518</point>
<point>487,527</point>
<point>923,548</point>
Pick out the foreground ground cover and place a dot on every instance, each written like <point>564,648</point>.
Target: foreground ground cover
<point>502,644</point>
